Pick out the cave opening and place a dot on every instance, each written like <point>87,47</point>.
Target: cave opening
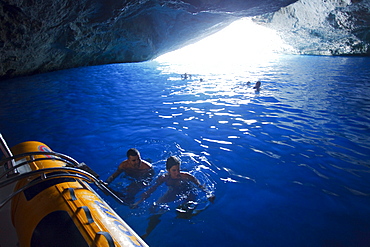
<point>242,41</point>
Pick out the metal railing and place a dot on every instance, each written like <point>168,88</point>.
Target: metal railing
<point>72,169</point>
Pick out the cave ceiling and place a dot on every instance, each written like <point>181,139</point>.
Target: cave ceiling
<point>42,36</point>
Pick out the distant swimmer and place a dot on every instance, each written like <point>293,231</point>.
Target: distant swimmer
<point>186,76</point>
<point>201,79</point>
<point>257,86</point>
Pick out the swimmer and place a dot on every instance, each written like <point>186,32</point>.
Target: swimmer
<point>179,187</point>
<point>138,171</point>
<point>179,184</point>
<point>257,86</point>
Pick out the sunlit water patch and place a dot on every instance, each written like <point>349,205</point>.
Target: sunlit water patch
<point>289,164</point>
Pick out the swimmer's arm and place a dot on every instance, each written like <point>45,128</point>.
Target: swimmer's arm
<point>210,195</point>
<point>114,175</point>
<point>147,193</point>
<point>147,164</point>
<point>148,171</point>
<point>121,168</point>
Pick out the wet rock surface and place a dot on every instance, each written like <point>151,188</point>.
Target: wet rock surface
<point>317,27</point>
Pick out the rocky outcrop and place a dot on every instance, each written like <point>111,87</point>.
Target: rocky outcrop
<point>43,35</point>
<point>318,27</point>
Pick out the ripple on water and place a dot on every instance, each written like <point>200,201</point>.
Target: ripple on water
<point>298,149</point>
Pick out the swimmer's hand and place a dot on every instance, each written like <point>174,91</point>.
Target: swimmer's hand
<point>136,204</point>
<point>211,197</point>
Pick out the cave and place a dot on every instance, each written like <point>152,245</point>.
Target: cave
<point>44,36</point>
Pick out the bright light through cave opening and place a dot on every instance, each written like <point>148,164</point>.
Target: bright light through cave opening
<point>242,41</point>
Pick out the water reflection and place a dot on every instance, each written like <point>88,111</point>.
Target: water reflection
<point>295,113</point>
<point>268,151</point>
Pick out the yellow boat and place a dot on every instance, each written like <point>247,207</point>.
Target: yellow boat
<point>46,200</point>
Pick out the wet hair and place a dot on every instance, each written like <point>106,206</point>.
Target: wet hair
<point>132,152</point>
<point>172,161</point>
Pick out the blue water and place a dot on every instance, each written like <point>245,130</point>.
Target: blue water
<point>289,165</point>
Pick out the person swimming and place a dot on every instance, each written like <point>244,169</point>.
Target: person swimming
<point>257,86</point>
<point>139,172</point>
<point>180,187</point>
<point>186,76</point>
<point>179,184</point>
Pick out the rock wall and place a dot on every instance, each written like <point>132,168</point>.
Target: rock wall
<point>41,35</point>
<point>323,27</point>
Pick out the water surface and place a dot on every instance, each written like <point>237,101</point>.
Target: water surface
<point>289,164</point>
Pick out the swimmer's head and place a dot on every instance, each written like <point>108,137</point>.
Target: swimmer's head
<point>132,152</point>
<point>172,161</point>
<point>133,157</point>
